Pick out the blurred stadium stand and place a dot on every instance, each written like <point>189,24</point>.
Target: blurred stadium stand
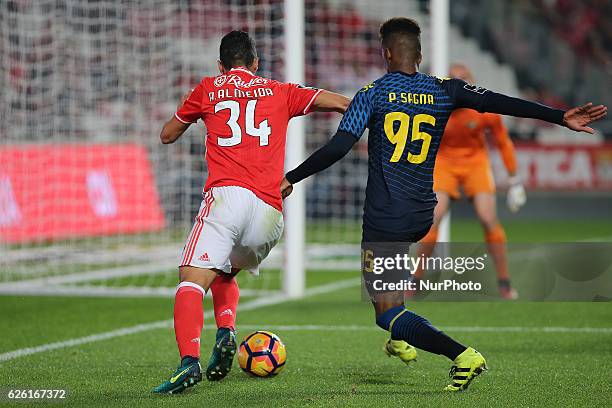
<point>560,50</point>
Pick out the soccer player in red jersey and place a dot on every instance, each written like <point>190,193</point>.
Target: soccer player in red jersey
<point>240,218</point>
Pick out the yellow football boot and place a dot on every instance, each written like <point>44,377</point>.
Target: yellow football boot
<point>467,366</point>
<point>401,349</point>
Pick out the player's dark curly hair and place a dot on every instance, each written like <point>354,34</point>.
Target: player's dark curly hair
<point>404,30</point>
<point>237,49</point>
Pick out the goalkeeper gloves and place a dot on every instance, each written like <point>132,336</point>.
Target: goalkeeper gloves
<point>516,196</point>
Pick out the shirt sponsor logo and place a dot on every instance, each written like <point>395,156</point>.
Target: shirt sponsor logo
<point>238,82</point>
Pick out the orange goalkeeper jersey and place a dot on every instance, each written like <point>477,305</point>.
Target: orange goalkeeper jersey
<point>464,139</point>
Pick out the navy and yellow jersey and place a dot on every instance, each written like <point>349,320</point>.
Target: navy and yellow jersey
<point>406,115</point>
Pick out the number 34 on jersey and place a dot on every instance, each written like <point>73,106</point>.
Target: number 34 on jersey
<point>262,130</point>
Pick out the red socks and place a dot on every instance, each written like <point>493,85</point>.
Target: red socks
<point>225,295</point>
<point>188,318</point>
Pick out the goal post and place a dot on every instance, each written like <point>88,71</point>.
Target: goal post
<point>294,279</point>
<point>440,22</point>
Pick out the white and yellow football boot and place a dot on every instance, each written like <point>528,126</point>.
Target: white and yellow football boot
<point>467,366</point>
<point>401,349</point>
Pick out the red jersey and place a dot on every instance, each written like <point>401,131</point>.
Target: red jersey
<point>246,119</point>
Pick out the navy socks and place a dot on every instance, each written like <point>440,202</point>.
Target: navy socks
<point>418,332</point>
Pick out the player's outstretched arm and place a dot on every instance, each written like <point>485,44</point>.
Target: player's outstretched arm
<point>483,100</point>
<point>172,130</point>
<point>327,101</point>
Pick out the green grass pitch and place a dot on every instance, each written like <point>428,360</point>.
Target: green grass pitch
<point>334,349</point>
<point>338,362</point>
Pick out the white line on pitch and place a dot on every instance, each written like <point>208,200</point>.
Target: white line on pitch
<point>274,300</point>
<point>462,329</point>
<point>164,324</point>
<point>139,328</point>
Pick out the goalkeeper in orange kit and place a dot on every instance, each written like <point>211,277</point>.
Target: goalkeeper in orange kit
<point>463,162</point>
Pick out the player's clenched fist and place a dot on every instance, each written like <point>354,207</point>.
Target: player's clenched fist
<point>286,188</point>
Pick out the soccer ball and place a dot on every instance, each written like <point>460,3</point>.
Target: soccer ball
<point>262,354</point>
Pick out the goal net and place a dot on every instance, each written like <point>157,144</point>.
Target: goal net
<point>90,202</point>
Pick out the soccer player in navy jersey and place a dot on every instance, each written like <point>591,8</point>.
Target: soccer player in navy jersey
<point>406,112</point>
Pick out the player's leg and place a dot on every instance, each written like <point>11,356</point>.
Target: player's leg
<point>260,231</point>
<point>446,185</point>
<point>188,314</point>
<point>392,315</point>
<point>206,253</point>
<point>407,326</point>
<point>264,230</point>
<point>427,244</point>
<point>399,348</point>
<point>188,323</point>
<point>480,187</point>
<point>495,237</point>
<point>226,294</point>
<point>395,347</point>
